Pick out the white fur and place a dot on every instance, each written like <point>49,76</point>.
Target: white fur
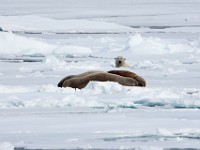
<point>120,62</point>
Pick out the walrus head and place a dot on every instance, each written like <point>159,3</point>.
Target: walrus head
<point>60,84</point>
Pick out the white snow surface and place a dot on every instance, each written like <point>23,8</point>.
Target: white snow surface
<point>18,45</point>
<point>43,24</point>
<point>43,41</point>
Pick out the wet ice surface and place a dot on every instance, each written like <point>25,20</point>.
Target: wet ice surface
<point>161,43</point>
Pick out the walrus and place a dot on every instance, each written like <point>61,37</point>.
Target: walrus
<point>125,73</point>
<point>79,75</point>
<point>81,80</point>
<point>120,62</point>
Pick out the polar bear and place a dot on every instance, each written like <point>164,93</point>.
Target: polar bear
<point>120,62</point>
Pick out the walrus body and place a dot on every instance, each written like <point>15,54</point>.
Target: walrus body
<point>60,84</point>
<point>125,73</point>
<point>80,81</point>
<point>125,78</point>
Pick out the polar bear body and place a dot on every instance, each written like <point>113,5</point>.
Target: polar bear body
<point>120,61</point>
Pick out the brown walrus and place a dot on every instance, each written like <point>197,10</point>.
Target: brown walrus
<point>81,80</point>
<point>125,73</point>
<point>60,84</point>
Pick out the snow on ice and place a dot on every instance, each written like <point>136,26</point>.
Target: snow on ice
<point>36,24</point>
<point>41,45</point>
